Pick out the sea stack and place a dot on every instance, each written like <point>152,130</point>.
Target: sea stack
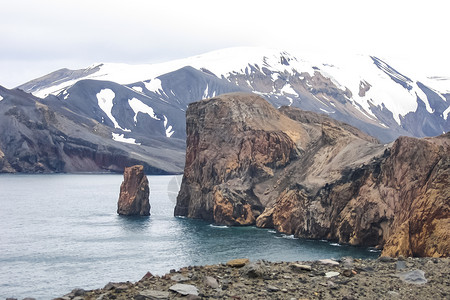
<point>134,193</point>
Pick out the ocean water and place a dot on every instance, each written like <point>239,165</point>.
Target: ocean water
<point>60,232</point>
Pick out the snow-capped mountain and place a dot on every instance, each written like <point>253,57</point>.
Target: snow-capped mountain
<point>146,102</point>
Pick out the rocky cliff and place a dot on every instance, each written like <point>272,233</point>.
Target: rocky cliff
<point>308,175</point>
<point>134,193</point>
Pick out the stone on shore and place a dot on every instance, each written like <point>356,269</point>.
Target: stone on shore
<point>300,267</point>
<point>151,294</point>
<point>184,289</point>
<point>414,277</point>
<point>329,262</point>
<point>211,282</point>
<point>238,263</point>
<point>368,279</point>
<point>134,193</point>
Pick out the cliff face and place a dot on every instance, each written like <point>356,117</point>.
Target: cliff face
<point>228,149</point>
<point>416,177</point>
<point>307,175</point>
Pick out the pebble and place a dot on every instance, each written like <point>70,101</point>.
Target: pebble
<point>155,294</point>
<point>386,259</point>
<point>299,267</point>
<point>179,278</point>
<point>347,273</point>
<point>393,294</point>
<point>329,262</point>
<point>272,288</point>
<point>348,262</point>
<point>331,274</point>
<point>211,282</point>
<point>400,265</point>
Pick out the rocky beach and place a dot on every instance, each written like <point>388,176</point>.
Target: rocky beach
<point>347,278</point>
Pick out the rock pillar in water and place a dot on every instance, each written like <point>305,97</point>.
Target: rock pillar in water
<point>134,193</point>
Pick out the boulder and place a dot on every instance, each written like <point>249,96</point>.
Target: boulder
<point>184,289</point>
<point>211,282</point>
<point>134,193</point>
<point>414,277</point>
<point>238,262</point>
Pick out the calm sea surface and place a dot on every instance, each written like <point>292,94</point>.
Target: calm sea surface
<point>60,232</point>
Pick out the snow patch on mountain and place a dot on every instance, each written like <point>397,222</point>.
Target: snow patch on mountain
<point>206,92</point>
<point>137,88</point>
<point>1,98</point>
<point>105,101</point>
<point>287,89</point>
<point>66,95</point>
<point>138,106</point>
<point>120,137</point>
<point>446,113</point>
<point>154,85</point>
<point>169,130</point>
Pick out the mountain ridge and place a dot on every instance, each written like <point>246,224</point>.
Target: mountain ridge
<point>145,105</point>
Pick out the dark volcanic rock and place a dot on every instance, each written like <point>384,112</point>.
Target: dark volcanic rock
<point>314,177</point>
<point>134,193</point>
<point>40,136</point>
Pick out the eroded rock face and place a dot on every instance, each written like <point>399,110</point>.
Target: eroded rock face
<point>134,193</point>
<point>417,174</point>
<point>227,149</point>
<point>307,175</point>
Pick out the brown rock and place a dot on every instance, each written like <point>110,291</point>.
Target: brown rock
<point>134,193</point>
<point>229,142</point>
<point>308,175</point>
<point>422,223</point>
<point>238,263</point>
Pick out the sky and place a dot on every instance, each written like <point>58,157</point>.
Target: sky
<point>41,36</point>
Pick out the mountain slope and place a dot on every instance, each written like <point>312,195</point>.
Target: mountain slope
<point>42,136</point>
<point>363,91</point>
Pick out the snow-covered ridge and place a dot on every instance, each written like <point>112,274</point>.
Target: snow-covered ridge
<point>440,84</point>
<point>388,87</point>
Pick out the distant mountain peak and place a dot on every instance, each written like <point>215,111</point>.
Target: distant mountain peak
<point>362,90</point>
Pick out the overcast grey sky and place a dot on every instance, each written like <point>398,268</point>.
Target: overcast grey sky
<point>40,36</point>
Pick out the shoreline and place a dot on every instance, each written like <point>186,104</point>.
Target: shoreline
<point>347,278</point>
